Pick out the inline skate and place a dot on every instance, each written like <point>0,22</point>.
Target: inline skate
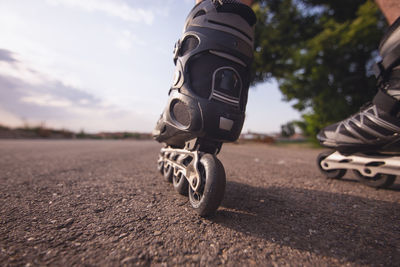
<point>207,100</point>
<point>369,142</point>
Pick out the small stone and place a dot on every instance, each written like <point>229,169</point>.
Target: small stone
<point>128,259</point>
<point>196,257</point>
<point>122,235</point>
<point>98,210</point>
<point>67,223</point>
<point>156,233</point>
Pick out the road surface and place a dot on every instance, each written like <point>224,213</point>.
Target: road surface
<point>66,203</point>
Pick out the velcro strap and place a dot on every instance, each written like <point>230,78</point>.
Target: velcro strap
<point>384,66</point>
<point>387,103</point>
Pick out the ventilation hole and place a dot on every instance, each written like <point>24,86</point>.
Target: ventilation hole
<point>375,164</point>
<point>180,113</point>
<point>227,82</point>
<point>200,13</point>
<point>188,44</point>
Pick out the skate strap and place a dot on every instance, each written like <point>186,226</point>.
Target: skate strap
<point>236,7</point>
<point>385,102</point>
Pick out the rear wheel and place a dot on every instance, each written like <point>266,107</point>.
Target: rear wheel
<point>380,180</point>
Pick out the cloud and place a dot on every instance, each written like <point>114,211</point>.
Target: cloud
<point>57,104</point>
<point>7,56</point>
<point>115,8</point>
<point>126,39</point>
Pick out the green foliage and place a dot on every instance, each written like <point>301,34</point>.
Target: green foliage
<point>288,129</point>
<point>81,134</point>
<point>4,128</point>
<point>321,53</point>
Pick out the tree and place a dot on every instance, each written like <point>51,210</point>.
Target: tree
<point>288,129</point>
<point>321,53</point>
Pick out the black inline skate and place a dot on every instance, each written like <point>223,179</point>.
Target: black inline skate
<point>207,101</point>
<point>369,141</point>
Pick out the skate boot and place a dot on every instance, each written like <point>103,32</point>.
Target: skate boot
<point>369,142</point>
<point>207,100</point>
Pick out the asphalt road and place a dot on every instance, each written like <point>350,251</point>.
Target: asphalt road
<point>66,203</point>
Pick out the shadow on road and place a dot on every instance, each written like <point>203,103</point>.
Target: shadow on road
<point>345,227</point>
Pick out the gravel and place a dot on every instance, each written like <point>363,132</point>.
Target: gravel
<point>104,203</point>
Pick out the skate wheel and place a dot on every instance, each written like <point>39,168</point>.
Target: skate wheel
<point>160,167</point>
<point>180,184</point>
<point>211,191</point>
<point>331,174</point>
<point>168,171</point>
<point>380,180</point>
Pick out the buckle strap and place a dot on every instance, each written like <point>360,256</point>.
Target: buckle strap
<point>383,67</point>
<point>387,103</point>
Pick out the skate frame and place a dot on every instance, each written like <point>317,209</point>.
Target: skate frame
<point>177,158</point>
<point>367,165</point>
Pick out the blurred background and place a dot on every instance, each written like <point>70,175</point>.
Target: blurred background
<point>106,65</point>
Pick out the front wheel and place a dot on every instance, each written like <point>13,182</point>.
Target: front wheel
<point>331,174</point>
<point>380,180</point>
<point>210,193</point>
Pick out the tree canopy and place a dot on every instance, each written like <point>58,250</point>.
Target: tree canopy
<point>321,52</point>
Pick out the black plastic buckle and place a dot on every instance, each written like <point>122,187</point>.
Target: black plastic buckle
<point>378,69</point>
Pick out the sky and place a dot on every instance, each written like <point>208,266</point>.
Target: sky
<point>101,65</point>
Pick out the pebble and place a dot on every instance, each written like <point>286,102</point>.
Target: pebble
<point>67,223</point>
<point>122,235</point>
<point>128,259</point>
<point>156,233</point>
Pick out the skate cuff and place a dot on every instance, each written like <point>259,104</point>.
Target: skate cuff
<point>387,103</point>
<point>389,49</point>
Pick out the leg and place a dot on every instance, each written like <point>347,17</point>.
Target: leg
<point>376,126</point>
<point>207,99</point>
<point>212,77</point>
<point>390,8</point>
